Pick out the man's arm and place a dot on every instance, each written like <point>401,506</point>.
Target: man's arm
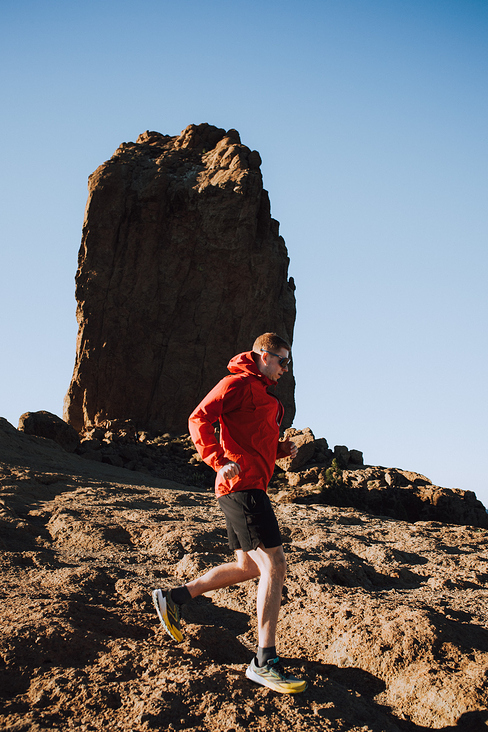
<point>226,396</point>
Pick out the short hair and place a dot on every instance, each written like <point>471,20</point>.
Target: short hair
<point>270,342</point>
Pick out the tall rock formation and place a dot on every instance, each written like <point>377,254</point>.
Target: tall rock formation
<point>181,266</point>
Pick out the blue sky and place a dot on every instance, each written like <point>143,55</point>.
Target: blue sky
<point>370,117</point>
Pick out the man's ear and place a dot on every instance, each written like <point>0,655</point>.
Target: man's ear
<point>261,359</point>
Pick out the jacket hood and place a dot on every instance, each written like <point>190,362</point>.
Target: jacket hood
<point>244,363</point>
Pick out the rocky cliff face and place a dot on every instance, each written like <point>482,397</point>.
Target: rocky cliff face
<point>181,266</point>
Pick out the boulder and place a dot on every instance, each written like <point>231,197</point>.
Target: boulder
<point>339,478</point>
<point>400,494</point>
<point>355,457</point>
<point>342,455</point>
<point>305,442</point>
<point>45,424</point>
<point>181,266</point>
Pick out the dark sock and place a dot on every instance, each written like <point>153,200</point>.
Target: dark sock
<point>180,595</point>
<point>265,654</point>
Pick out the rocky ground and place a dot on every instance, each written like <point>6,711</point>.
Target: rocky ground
<point>385,618</point>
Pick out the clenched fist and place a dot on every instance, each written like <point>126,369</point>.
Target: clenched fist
<point>229,471</point>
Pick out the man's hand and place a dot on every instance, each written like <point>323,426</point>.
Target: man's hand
<point>229,471</point>
<point>290,448</point>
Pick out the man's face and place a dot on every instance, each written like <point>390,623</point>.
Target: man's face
<point>271,364</point>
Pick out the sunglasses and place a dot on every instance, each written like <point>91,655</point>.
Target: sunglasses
<point>282,360</point>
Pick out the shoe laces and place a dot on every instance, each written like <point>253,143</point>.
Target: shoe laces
<point>276,665</point>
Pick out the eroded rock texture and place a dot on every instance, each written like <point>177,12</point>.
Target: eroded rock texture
<point>181,266</point>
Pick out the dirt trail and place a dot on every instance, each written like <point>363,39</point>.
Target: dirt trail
<point>386,619</point>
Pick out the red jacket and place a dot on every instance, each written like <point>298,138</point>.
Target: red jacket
<point>249,418</point>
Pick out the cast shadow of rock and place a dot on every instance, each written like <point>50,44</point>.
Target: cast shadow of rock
<point>467,722</point>
<point>341,685</point>
<point>360,574</point>
<point>467,636</point>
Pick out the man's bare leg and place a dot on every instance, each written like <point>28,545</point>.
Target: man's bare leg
<point>168,605</point>
<point>267,564</point>
<point>272,570</point>
<point>225,575</point>
<point>266,669</point>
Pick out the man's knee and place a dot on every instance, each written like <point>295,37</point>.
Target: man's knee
<point>273,561</point>
<point>279,563</point>
<point>247,564</point>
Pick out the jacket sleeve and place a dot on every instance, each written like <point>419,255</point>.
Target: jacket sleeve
<point>226,396</point>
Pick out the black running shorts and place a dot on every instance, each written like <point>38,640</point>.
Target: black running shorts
<point>250,520</point>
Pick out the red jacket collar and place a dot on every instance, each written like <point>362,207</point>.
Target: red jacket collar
<point>244,363</point>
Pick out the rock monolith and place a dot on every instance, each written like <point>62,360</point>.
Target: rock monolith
<point>181,266</point>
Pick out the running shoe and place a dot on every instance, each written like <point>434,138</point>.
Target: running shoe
<point>169,613</point>
<point>275,677</point>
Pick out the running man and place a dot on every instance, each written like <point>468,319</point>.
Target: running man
<point>249,416</point>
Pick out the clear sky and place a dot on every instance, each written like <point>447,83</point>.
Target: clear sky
<point>371,120</point>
